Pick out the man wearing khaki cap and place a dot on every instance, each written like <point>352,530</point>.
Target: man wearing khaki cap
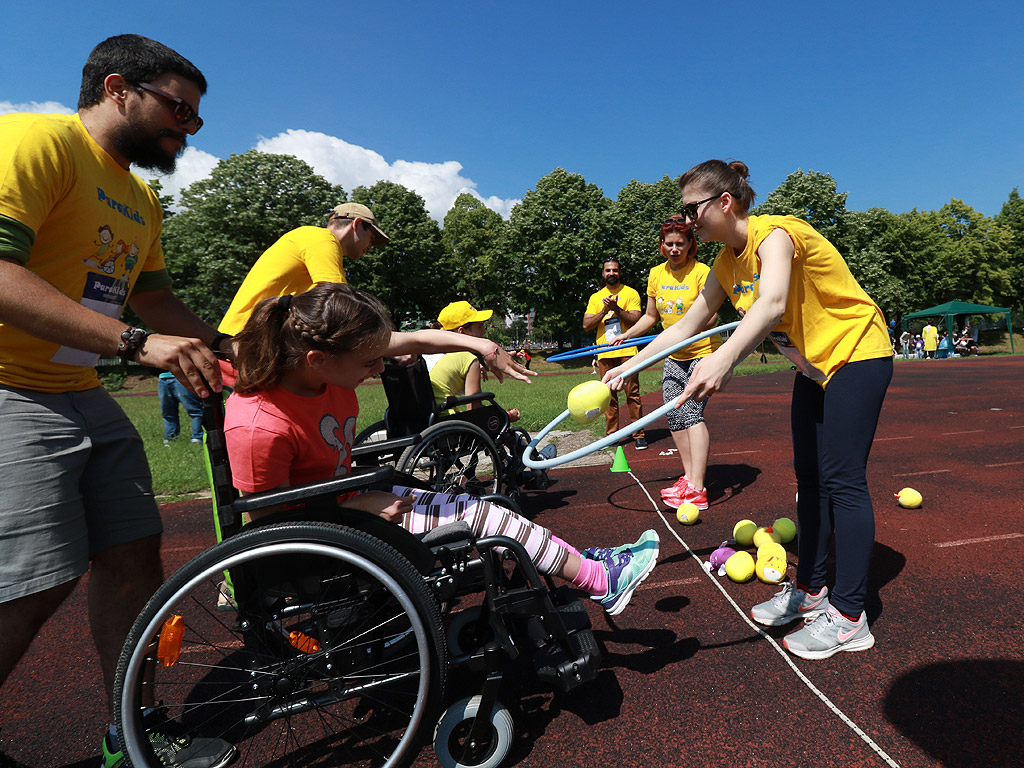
<point>304,257</point>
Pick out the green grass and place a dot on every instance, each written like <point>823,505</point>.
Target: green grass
<point>179,472</point>
<point>178,468</point>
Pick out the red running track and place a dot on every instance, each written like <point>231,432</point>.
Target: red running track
<point>686,680</point>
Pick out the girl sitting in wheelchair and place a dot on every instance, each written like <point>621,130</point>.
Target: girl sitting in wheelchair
<point>460,373</point>
<point>292,417</point>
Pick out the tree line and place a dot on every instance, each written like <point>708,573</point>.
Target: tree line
<point>548,255</point>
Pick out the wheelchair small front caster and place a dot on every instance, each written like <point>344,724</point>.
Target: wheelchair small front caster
<point>453,747</point>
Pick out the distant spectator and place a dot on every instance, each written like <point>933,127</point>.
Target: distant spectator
<point>172,393</point>
<point>905,338</point>
<point>930,334</point>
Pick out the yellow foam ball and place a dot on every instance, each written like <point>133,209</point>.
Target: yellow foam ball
<point>764,535</point>
<point>687,513</point>
<point>771,549</point>
<point>771,569</point>
<point>908,498</point>
<point>743,532</point>
<point>588,400</point>
<point>786,529</point>
<point>740,567</point>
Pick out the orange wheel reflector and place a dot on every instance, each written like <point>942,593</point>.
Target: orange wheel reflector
<point>303,642</point>
<point>171,635</point>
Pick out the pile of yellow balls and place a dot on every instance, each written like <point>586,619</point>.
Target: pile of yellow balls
<point>768,562</point>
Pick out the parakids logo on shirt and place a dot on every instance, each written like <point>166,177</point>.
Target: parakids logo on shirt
<point>125,210</point>
<point>104,289</point>
<point>740,288</point>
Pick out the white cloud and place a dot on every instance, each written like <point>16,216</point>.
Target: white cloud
<point>44,107</point>
<point>351,166</point>
<point>192,166</point>
<point>335,159</point>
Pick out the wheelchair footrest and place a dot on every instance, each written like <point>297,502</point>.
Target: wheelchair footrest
<point>563,668</point>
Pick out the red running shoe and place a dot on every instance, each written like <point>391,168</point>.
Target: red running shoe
<point>688,493</point>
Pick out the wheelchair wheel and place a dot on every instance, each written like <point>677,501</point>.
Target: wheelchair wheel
<point>468,631</point>
<point>375,433</point>
<point>454,457</point>
<point>335,654</point>
<point>451,738</point>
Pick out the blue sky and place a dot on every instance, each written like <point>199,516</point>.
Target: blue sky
<point>907,105</point>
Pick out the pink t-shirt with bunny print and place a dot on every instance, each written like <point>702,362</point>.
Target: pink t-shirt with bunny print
<point>279,439</point>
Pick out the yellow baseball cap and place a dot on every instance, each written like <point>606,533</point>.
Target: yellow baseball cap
<point>460,313</point>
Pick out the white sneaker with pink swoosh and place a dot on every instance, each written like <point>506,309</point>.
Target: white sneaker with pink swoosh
<point>828,634</point>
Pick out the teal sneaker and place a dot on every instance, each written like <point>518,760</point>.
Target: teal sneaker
<point>174,746</point>
<point>647,540</point>
<point>626,571</point>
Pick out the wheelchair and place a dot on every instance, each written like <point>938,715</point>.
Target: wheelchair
<point>324,636</point>
<point>477,451</point>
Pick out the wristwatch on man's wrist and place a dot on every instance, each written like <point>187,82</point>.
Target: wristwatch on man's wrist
<point>217,340</point>
<point>131,342</point>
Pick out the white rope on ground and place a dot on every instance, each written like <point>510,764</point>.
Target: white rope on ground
<point>771,640</point>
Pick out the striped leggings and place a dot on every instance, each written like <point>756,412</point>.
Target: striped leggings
<point>431,509</point>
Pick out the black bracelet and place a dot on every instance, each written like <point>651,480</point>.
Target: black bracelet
<point>131,342</point>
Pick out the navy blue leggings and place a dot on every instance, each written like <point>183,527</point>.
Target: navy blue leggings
<point>833,429</point>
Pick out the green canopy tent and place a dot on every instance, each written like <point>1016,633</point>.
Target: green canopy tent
<point>951,309</point>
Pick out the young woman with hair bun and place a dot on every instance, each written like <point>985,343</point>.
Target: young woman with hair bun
<point>791,284</point>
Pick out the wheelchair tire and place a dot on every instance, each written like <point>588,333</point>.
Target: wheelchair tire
<point>454,457</point>
<point>450,736</point>
<point>335,654</point>
<point>375,433</point>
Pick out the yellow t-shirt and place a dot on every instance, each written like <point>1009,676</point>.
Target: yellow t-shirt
<point>930,335</point>
<point>610,327</point>
<point>295,263</point>
<point>97,238</point>
<point>829,320</point>
<point>674,292</point>
<point>448,376</point>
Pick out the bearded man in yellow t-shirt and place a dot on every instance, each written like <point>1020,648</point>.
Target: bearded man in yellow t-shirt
<point>612,311</point>
<point>77,493</point>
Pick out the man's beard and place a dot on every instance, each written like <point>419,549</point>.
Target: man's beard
<point>611,280</point>
<point>142,148</point>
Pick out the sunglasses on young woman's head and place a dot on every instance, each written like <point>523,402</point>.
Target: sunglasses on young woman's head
<point>689,211</point>
<point>677,223</point>
<point>183,111</point>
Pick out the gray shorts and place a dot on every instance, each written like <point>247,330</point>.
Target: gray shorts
<point>674,378</point>
<point>74,481</point>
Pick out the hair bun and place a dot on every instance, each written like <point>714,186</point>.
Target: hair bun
<point>740,169</point>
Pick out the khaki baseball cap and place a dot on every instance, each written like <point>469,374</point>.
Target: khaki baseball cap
<point>355,210</point>
<point>460,313</point>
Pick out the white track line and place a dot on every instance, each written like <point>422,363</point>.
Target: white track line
<point>771,641</point>
<point>929,472</point>
<point>1006,464</point>
<point>982,540</point>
